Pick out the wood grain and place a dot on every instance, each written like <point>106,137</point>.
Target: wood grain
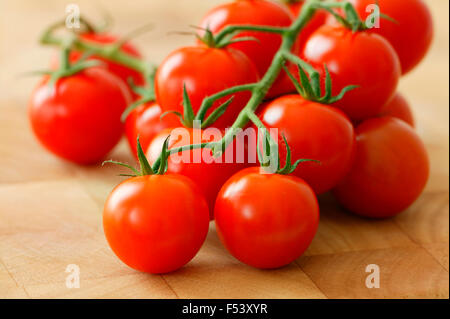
<point>50,210</point>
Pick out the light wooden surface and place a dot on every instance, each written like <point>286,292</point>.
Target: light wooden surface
<point>50,211</point>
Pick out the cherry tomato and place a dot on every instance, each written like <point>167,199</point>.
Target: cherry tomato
<point>205,71</point>
<point>266,220</point>
<point>156,223</point>
<point>199,165</point>
<point>316,21</point>
<point>255,12</point>
<point>398,107</point>
<point>410,35</point>
<point>390,170</point>
<point>118,69</point>
<point>145,122</point>
<point>78,118</point>
<point>313,131</point>
<point>359,58</point>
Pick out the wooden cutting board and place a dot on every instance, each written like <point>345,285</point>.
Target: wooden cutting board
<point>50,211</point>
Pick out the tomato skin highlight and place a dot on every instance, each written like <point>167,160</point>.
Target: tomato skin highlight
<point>145,122</point>
<point>261,52</point>
<point>361,58</point>
<point>78,119</point>
<point>399,108</point>
<point>266,220</point>
<point>205,71</point>
<point>313,131</point>
<point>390,170</point>
<point>149,230</point>
<point>206,174</point>
<point>411,36</point>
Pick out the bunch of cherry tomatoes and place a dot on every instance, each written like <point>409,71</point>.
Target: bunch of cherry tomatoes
<point>359,135</point>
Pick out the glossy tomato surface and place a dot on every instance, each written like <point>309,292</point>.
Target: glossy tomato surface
<point>266,220</point>
<point>204,71</point>
<point>255,12</point>
<point>200,166</point>
<point>390,170</point>
<point>157,223</point>
<point>313,131</point>
<point>399,107</point>
<point>361,58</point>
<point>78,118</point>
<point>410,35</point>
<point>145,122</point>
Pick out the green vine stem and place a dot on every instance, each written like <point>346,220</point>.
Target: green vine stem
<point>108,51</point>
<point>258,90</point>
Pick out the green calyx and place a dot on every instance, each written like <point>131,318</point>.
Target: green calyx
<point>351,19</point>
<point>311,90</point>
<point>145,167</point>
<point>146,93</point>
<point>271,153</point>
<point>188,118</point>
<point>68,69</point>
<point>215,42</point>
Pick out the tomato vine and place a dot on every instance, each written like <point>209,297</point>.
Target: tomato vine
<point>309,83</point>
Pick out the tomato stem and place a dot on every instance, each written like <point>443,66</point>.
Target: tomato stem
<point>108,51</point>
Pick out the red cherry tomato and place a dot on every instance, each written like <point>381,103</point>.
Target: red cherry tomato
<point>398,107</point>
<point>199,164</point>
<point>390,170</point>
<point>410,35</point>
<point>316,21</point>
<point>118,69</point>
<point>78,118</point>
<point>266,220</point>
<point>145,122</point>
<point>149,230</point>
<point>205,71</point>
<point>255,12</point>
<point>360,58</point>
<point>313,131</point>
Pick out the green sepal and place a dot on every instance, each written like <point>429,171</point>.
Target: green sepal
<point>289,167</point>
<point>268,145</point>
<point>135,171</point>
<point>188,112</point>
<point>146,93</point>
<point>146,169</point>
<point>164,157</point>
<point>311,89</point>
<point>210,40</point>
<point>218,112</point>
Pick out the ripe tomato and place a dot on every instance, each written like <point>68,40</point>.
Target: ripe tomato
<point>199,164</point>
<point>313,131</point>
<point>410,35</point>
<point>390,170</point>
<point>398,107</point>
<point>266,220</point>
<point>360,58</point>
<point>205,71</point>
<point>255,12</point>
<point>316,21</point>
<point>78,118</point>
<point>149,230</point>
<point>145,122</point>
<point>118,69</point>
